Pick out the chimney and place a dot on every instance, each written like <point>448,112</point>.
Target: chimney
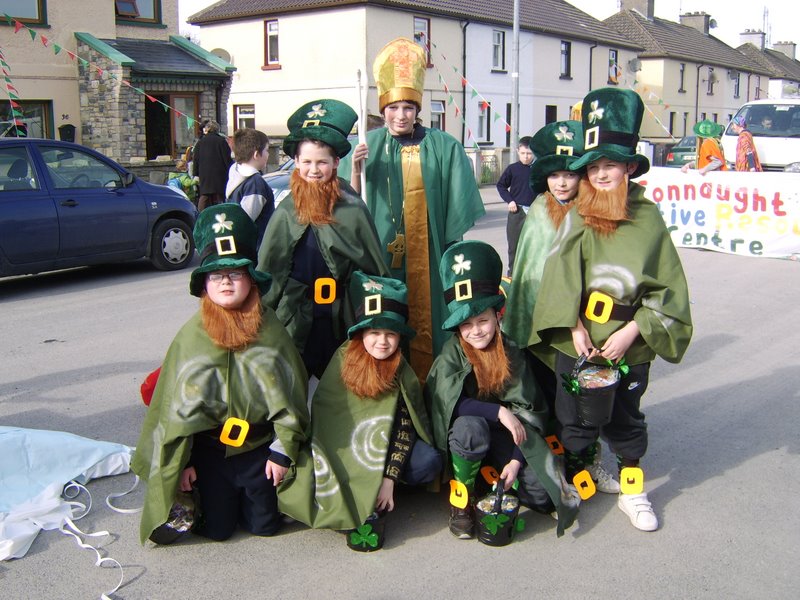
<point>696,20</point>
<point>786,48</point>
<point>646,8</point>
<point>753,36</point>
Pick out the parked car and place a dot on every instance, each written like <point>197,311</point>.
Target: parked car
<point>279,180</point>
<point>64,205</point>
<point>683,152</point>
<point>775,126</point>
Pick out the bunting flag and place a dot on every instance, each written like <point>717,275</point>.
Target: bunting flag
<point>12,92</point>
<point>15,110</point>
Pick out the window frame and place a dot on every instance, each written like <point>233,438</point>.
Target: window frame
<point>268,63</point>
<point>440,114</point>
<point>613,63</point>
<point>484,122</point>
<point>499,48</point>
<point>737,86</point>
<point>426,45</point>
<point>710,82</point>
<point>157,18</point>
<point>237,116</point>
<point>566,60</point>
<point>41,9</point>
<point>682,78</point>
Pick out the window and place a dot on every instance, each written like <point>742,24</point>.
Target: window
<point>736,85</point>
<point>566,60</point>
<point>244,116</point>
<point>271,55</point>
<point>35,119</point>
<point>703,116</point>
<point>437,114</point>
<point>685,123</point>
<point>16,172</point>
<point>550,114</point>
<point>498,50</point>
<point>27,11</point>
<point>682,75</point>
<point>758,87</point>
<point>672,116</point>
<point>76,169</point>
<point>613,67</point>
<point>484,122</point>
<point>712,79</point>
<point>139,11</point>
<point>422,35</point>
<point>714,117</point>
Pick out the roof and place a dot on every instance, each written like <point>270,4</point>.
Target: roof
<point>157,57</point>
<point>661,38</point>
<point>779,65</point>
<point>552,17</point>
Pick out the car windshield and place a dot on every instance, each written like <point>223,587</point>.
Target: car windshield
<point>688,142</point>
<point>771,120</point>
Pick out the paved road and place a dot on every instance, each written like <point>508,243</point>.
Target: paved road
<point>723,468</point>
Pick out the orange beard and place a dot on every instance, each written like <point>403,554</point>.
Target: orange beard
<point>490,365</point>
<point>555,210</point>
<point>603,210</point>
<point>364,375</point>
<point>313,202</point>
<point>232,329</point>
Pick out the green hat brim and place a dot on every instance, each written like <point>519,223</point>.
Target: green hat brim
<point>546,165</point>
<point>383,322</point>
<point>197,283</point>
<point>704,130</point>
<point>334,139</point>
<point>467,310</point>
<point>611,153</point>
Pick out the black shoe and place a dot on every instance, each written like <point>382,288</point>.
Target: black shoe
<point>462,522</point>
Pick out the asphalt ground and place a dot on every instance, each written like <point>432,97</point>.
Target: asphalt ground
<point>722,469</point>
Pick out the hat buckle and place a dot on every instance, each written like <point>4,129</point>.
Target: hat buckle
<point>372,305</point>
<point>226,245</point>
<point>463,290</point>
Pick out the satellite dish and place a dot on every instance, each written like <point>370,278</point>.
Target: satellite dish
<point>223,54</point>
<point>712,24</point>
<point>634,65</point>
<point>713,78</point>
<point>733,75</point>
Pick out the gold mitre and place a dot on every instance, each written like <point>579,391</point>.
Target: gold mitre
<point>399,71</point>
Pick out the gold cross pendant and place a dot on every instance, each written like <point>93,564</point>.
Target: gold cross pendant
<point>397,248</point>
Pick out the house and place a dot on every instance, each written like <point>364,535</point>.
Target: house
<point>687,74</point>
<point>288,52</point>
<point>780,61</point>
<point>110,75</point>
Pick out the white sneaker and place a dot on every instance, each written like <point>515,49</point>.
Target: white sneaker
<point>639,511</point>
<point>603,480</point>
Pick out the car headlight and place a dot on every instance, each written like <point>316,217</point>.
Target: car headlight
<point>792,167</point>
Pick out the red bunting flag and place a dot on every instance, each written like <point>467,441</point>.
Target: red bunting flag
<point>44,41</point>
<point>484,105</point>
<point>508,128</point>
<point>99,70</point>
<point>151,98</point>
<point>11,88</point>
<point>458,112</point>
<point>17,26</point>
<point>463,82</point>
<point>71,55</point>
<point>14,104</point>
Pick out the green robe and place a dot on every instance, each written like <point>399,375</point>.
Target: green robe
<point>336,478</point>
<point>637,265</point>
<point>533,248</point>
<point>350,244</point>
<point>199,387</point>
<point>522,397</point>
<point>453,199</point>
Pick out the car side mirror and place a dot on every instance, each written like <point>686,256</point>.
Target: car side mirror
<point>128,178</point>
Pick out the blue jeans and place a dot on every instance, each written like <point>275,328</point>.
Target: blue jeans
<point>423,465</point>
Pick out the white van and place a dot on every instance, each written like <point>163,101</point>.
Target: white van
<point>775,125</point>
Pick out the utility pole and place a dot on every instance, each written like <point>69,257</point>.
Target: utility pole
<point>514,86</point>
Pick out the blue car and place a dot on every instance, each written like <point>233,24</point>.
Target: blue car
<point>64,205</point>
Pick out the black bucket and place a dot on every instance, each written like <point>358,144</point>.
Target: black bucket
<point>595,401</point>
<point>368,537</point>
<point>496,517</point>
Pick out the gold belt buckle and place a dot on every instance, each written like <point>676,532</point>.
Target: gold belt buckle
<point>225,436</point>
<point>606,304</point>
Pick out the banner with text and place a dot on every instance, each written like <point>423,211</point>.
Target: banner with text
<point>751,214</point>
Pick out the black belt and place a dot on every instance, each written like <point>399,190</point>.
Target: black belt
<point>484,288</point>
<point>619,312</point>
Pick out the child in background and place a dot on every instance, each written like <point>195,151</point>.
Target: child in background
<point>515,190</point>
<point>370,429</point>
<point>612,289</point>
<point>245,185</point>
<point>181,179</point>
<point>486,405</point>
<point>229,409</point>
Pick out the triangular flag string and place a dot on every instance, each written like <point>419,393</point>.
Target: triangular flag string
<point>15,111</point>
<point>101,71</point>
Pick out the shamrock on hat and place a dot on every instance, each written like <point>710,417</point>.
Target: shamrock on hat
<point>326,120</point>
<point>225,236</point>
<point>611,120</point>
<point>471,273</point>
<point>379,303</point>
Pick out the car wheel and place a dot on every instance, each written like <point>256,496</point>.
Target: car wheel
<point>172,246</point>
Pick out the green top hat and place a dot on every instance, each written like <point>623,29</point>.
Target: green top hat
<point>326,120</point>
<point>226,238</point>
<point>470,272</point>
<point>556,147</point>
<point>708,129</point>
<point>379,303</point>
<point>611,120</point>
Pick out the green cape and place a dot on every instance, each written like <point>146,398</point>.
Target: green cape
<point>533,248</point>
<point>454,202</point>
<point>350,244</point>
<point>199,387</point>
<point>637,265</point>
<point>336,477</point>
<point>522,397</point>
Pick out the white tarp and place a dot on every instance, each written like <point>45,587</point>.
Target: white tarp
<point>35,465</point>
